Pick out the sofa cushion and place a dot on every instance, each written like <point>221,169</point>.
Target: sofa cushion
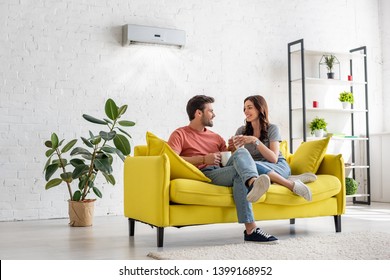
<point>184,191</point>
<point>179,167</point>
<point>324,187</point>
<point>308,156</point>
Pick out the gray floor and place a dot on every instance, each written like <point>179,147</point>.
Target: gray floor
<point>108,238</point>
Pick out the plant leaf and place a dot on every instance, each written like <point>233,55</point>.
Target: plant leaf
<point>47,163</point>
<point>48,144</point>
<point>110,178</point>
<point>79,171</point>
<point>93,120</point>
<point>67,177</point>
<point>96,140</point>
<point>54,141</point>
<point>124,132</point>
<point>126,123</point>
<point>49,152</point>
<point>61,163</point>
<point>97,192</point>
<point>76,161</point>
<point>122,144</point>
<point>76,196</point>
<point>86,142</point>
<point>111,150</point>
<point>50,170</point>
<point>53,183</point>
<point>69,146</point>
<point>107,135</point>
<point>108,121</point>
<point>122,110</point>
<point>103,165</point>
<point>80,151</point>
<point>111,109</point>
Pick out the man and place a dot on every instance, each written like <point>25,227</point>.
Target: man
<point>202,148</point>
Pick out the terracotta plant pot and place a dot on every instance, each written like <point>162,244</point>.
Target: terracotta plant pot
<point>81,213</point>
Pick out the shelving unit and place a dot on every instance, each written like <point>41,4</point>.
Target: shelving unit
<point>305,83</point>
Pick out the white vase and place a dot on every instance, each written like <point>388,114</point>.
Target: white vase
<point>319,133</point>
<point>346,105</point>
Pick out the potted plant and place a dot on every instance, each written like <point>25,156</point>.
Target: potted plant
<point>318,126</point>
<point>83,164</point>
<point>351,186</point>
<point>346,99</point>
<point>329,62</point>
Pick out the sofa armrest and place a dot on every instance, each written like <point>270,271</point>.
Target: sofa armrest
<point>334,165</point>
<point>146,189</point>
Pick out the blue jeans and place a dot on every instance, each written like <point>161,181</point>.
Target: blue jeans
<point>239,169</point>
<point>281,167</point>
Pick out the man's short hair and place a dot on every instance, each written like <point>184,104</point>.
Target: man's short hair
<point>197,102</point>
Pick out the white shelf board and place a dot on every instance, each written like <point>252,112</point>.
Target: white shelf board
<point>328,82</point>
<point>331,110</point>
<point>340,55</point>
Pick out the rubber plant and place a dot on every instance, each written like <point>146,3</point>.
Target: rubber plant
<point>83,164</point>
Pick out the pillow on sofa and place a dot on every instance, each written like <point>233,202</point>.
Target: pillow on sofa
<point>179,167</point>
<point>308,156</point>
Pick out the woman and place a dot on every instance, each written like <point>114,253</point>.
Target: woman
<point>261,139</point>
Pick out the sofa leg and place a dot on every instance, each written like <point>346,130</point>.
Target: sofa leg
<point>160,236</point>
<point>337,223</point>
<point>131,227</point>
<point>292,221</point>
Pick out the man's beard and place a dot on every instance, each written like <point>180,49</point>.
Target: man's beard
<point>207,122</point>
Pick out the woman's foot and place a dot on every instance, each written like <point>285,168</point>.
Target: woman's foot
<point>302,190</point>
<point>304,177</point>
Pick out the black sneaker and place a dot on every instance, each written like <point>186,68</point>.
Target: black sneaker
<point>258,235</point>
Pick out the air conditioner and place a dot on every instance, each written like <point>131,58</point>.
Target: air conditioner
<point>132,33</point>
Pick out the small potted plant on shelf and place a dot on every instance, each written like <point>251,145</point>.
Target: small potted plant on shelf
<point>346,99</point>
<point>330,61</point>
<point>83,164</point>
<point>351,186</point>
<point>318,126</point>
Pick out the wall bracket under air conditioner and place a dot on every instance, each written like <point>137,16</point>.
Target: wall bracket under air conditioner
<point>132,33</point>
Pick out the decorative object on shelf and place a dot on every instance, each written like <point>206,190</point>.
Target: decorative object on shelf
<point>351,186</point>
<point>346,99</point>
<point>315,104</point>
<point>329,60</point>
<point>318,126</point>
<point>349,77</point>
<point>97,156</point>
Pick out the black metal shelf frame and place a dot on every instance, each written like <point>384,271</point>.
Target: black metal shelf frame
<point>300,45</point>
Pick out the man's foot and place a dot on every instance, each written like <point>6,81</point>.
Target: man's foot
<point>304,177</point>
<point>302,190</point>
<point>258,235</point>
<point>258,188</point>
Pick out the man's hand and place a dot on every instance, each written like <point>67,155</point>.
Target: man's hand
<point>212,159</point>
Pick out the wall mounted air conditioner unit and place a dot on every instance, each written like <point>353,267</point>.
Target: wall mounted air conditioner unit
<point>132,33</point>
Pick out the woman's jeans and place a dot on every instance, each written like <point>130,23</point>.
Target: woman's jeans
<point>281,167</point>
<point>239,169</point>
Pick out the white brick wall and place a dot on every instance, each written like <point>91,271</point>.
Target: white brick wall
<point>60,59</point>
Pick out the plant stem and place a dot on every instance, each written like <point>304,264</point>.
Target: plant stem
<point>63,169</point>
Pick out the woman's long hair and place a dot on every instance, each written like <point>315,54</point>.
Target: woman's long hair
<point>262,108</point>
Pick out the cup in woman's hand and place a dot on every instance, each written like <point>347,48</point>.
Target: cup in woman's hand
<point>237,141</point>
<point>225,157</point>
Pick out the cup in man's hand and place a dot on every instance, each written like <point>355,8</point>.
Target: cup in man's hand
<point>225,157</point>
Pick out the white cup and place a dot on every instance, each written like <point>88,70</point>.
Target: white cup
<point>235,138</point>
<point>225,157</point>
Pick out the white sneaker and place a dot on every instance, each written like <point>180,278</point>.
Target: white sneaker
<point>259,187</point>
<point>304,177</point>
<point>302,190</point>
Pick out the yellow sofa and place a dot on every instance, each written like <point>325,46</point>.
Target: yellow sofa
<point>152,195</point>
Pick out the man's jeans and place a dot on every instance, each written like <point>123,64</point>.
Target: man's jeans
<point>237,171</point>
